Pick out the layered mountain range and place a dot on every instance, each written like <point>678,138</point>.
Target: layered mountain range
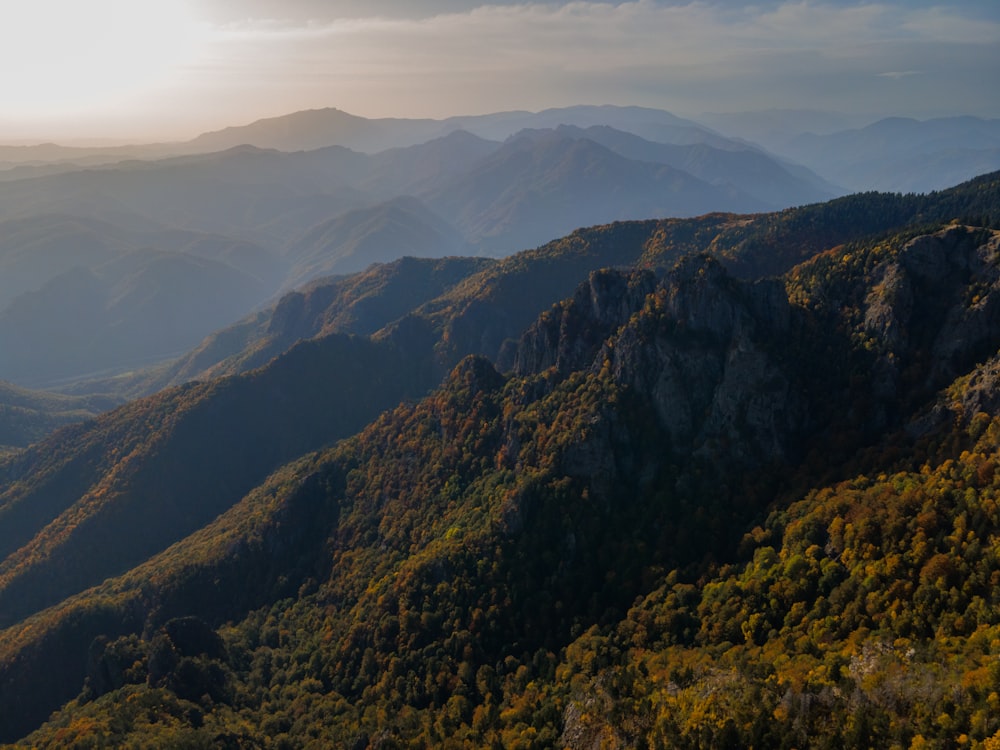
<point>898,154</point>
<point>219,226</point>
<point>132,259</point>
<point>715,481</point>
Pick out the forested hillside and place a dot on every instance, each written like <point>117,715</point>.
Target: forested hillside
<point>680,502</point>
<point>28,416</point>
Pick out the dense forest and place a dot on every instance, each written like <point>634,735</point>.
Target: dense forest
<point>731,484</point>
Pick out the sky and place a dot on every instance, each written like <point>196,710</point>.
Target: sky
<point>146,70</point>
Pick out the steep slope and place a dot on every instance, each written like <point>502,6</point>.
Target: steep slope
<point>486,311</point>
<point>534,189</point>
<point>466,305</point>
<point>113,476</point>
<point>353,241</point>
<point>750,171</point>
<point>467,567</point>
<point>863,612</point>
<point>467,409</point>
<point>359,304</point>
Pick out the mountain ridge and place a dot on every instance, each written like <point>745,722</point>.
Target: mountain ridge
<point>766,244</point>
<point>560,500</point>
<point>888,154</point>
<point>285,218</point>
<point>651,421</point>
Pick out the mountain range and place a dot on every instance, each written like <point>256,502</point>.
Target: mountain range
<point>28,416</point>
<point>716,481</point>
<point>120,265</point>
<point>481,305</point>
<point>87,237</point>
<point>591,427</point>
<point>896,154</point>
<point>304,131</point>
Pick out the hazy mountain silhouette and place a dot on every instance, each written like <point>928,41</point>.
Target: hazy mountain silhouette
<point>260,221</point>
<point>383,233</point>
<point>361,304</point>
<point>856,158</point>
<point>901,154</point>
<point>540,185</point>
<point>415,170</point>
<point>79,295</point>
<point>312,129</point>
<point>246,193</point>
<point>137,308</point>
<point>273,198</point>
<point>748,170</point>
<point>34,250</point>
<point>769,127</point>
<point>317,128</point>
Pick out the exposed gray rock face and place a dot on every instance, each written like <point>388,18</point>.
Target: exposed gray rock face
<point>982,393</point>
<point>971,324</point>
<point>691,347</point>
<point>937,300</point>
<point>699,353</point>
<point>889,307</point>
<point>571,334</point>
<point>979,393</point>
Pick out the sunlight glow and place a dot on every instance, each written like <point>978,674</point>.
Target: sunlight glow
<point>63,56</point>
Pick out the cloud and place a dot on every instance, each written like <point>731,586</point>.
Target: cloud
<point>259,58</point>
<point>944,24</point>
<point>898,73</point>
<point>674,55</point>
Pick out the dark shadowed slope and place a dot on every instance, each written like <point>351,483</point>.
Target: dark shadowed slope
<point>149,473</point>
<point>361,304</point>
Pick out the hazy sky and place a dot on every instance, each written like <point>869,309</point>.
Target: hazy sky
<point>174,68</point>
